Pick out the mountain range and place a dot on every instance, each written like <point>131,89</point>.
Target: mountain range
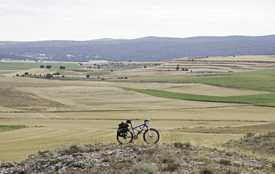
<point>142,49</point>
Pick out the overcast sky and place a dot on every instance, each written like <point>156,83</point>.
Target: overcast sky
<point>32,20</point>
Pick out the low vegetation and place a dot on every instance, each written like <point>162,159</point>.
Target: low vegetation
<point>138,159</point>
<point>4,128</point>
<point>260,144</point>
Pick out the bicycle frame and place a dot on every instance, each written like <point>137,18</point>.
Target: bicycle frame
<point>133,128</point>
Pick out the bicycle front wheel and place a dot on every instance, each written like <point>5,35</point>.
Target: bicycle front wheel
<point>151,136</point>
<point>124,140</point>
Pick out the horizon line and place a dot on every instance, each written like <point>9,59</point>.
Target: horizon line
<point>105,39</point>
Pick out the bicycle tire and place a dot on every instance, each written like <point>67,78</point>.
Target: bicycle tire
<point>125,140</point>
<point>153,139</point>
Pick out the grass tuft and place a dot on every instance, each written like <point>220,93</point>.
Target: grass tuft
<point>225,162</point>
<point>143,168</point>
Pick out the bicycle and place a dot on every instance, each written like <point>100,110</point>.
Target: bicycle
<point>150,136</point>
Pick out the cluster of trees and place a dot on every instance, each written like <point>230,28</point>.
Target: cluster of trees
<point>49,67</point>
<point>183,69</point>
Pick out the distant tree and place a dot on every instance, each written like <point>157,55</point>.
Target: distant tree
<point>48,66</point>
<point>41,66</point>
<point>87,75</point>
<point>17,75</point>
<point>177,68</point>
<point>112,70</point>
<point>145,66</point>
<point>49,76</point>
<point>26,73</point>
<point>62,67</point>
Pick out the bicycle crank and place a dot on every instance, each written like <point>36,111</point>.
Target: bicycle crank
<point>136,137</point>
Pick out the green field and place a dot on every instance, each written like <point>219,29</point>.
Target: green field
<point>254,80</point>
<point>25,66</point>
<point>4,128</point>
<point>259,100</point>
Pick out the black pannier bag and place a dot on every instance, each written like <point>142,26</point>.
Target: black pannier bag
<point>122,129</point>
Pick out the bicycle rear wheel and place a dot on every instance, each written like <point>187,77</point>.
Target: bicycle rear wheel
<point>124,140</point>
<point>151,136</point>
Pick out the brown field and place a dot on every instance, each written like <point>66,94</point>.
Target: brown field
<point>63,112</point>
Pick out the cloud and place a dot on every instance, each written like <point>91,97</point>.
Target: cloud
<point>90,19</point>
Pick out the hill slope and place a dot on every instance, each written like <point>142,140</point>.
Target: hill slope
<point>139,159</point>
<point>143,49</point>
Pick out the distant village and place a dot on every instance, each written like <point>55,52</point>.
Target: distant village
<point>39,57</point>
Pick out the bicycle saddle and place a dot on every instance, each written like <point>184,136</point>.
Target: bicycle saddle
<point>147,120</point>
<point>128,121</point>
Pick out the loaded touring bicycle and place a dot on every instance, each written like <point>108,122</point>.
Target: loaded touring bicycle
<point>124,135</point>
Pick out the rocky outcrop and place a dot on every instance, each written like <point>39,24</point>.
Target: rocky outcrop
<point>105,158</point>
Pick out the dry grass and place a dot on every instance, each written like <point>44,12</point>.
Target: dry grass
<point>62,113</point>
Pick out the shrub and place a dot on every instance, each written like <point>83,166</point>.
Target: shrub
<point>225,162</point>
<point>180,145</point>
<point>188,145</point>
<point>143,168</point>
<point>49,76</point>
<point>139,159</point>
<point>232,172</point>
<point>229,153</point>
<point>207,171</point>
<point>172,166</point>
<point>120,166</point>
<point>73,149</point>
<point>249,135</point>
<point>106,160</point>
<point>150,151</point>
<point>167,160</point>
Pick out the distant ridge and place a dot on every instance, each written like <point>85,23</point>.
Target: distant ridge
<point>141,49</point>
